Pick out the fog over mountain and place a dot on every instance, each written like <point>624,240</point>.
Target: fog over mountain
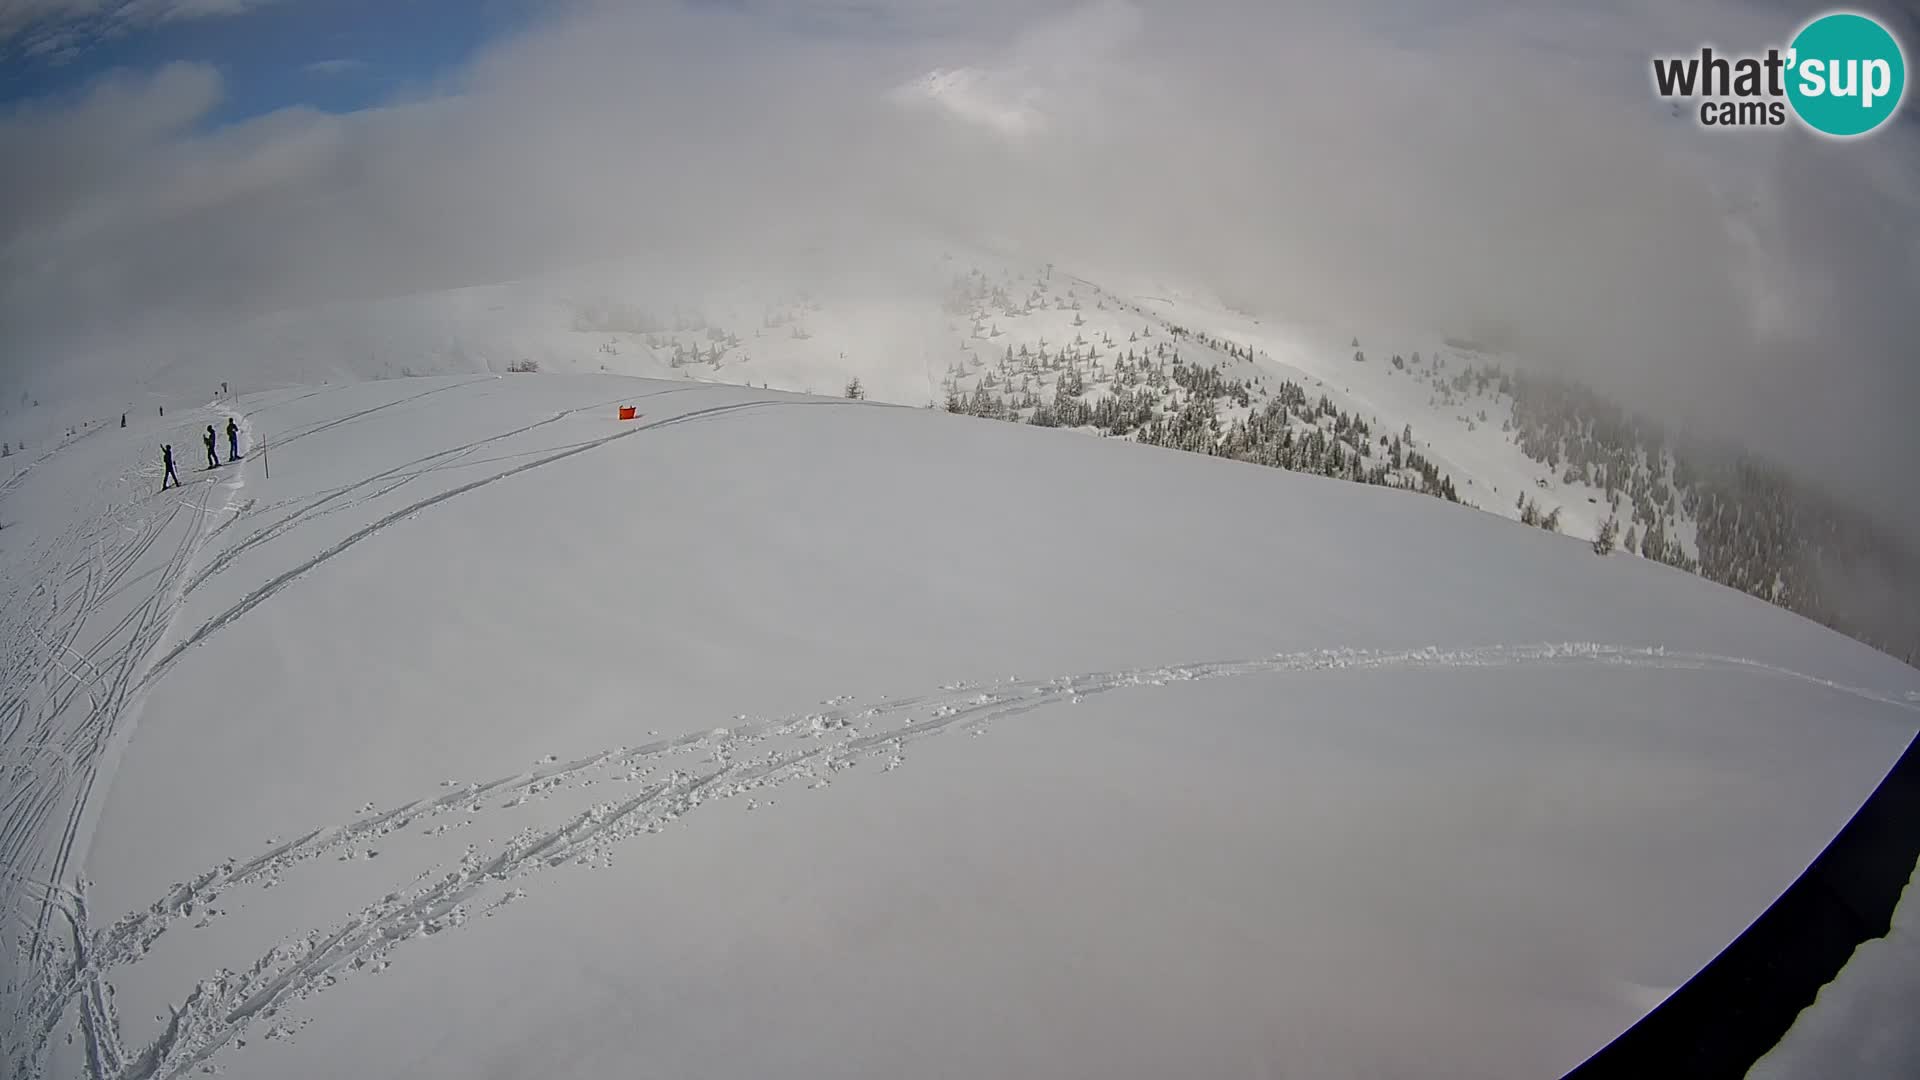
<point>1478,169</point>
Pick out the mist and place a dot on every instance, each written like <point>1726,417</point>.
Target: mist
<point>1468,168</point>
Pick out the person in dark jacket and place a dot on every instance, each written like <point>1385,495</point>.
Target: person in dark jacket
<point>166,458</point>
<point>233,440</point>
<point>212,440</point>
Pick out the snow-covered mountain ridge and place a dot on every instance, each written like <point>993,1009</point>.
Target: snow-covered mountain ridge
<point>1147,363</point>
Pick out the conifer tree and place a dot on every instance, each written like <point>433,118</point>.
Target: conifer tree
<point>1603,544</point>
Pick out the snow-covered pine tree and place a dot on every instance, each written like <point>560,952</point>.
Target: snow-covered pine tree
<point>1603,544</point>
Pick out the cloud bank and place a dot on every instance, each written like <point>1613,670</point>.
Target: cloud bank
<point>1479,168</point>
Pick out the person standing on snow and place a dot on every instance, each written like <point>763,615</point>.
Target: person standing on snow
<point>233,440</point>
<point>166,458</point>
<point>213,459</point>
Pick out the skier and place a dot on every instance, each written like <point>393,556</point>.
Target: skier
<point>213,460</point>
<point>123,419</point>
<point>233,440</point>
<point>166,458</point>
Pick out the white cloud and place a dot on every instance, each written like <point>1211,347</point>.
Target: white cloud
<point>1049,79</point>
<point>338,66</point>
<point>1482,166</point>
<point>161,10</point>
<point>977,97</point>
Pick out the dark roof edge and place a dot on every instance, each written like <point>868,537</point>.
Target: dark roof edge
<point>1741,1004</point>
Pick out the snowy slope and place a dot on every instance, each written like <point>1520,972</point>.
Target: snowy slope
<point>906,341</point>
<point>1459,429</point>
<point>490,735</point>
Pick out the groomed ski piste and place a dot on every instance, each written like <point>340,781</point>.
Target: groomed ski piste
<point>766,734</point>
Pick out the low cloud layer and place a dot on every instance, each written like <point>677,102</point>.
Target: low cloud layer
<point>1484,169</point>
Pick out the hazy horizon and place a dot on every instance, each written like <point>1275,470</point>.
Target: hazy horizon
<point>1470,168</point>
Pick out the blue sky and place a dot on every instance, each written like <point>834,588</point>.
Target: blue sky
<point>334,55</point>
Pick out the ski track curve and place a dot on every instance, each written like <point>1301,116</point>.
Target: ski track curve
<point>314,429</point>
<point>70,691</point>
<point>72,703</point>
<point>699,767</point>
<point>272,587</point>
<point>312,507</point>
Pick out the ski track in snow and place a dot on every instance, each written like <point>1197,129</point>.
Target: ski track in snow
<point>268,590</point>
<point>72,689</point>
<point>68,703</point>
<point>701,767</point>
<point>67,708</point>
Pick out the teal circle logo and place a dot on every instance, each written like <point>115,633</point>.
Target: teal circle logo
<point>1846,74</point>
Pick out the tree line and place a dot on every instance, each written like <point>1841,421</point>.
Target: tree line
<point>1755,526</point>
<point>1158,399</point>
